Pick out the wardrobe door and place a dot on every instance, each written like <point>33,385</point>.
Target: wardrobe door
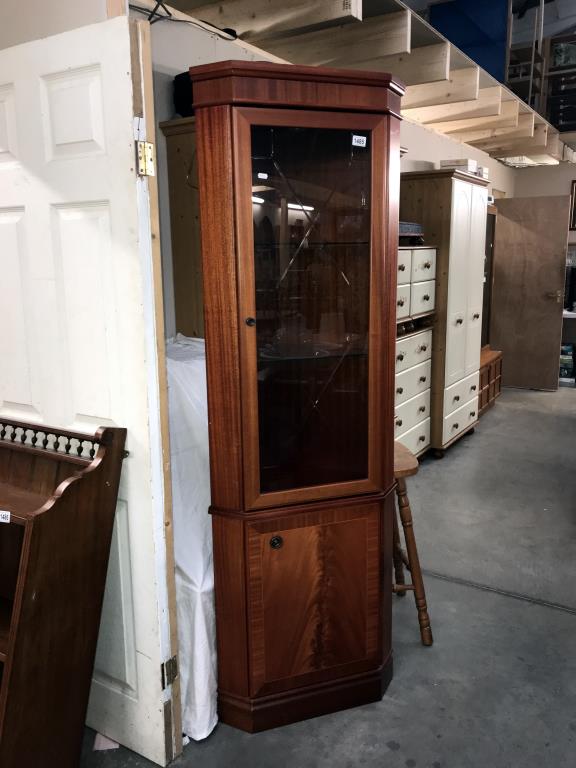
<point>458,282</point>
<point>475,278</point>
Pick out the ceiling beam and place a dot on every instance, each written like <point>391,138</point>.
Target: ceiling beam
<point>262,19</point>
<point>482,138</point>
<point>375,38</point>
<point>462,85</point>
<point>489,102</point>
<point>508,118</point>
<point>423,65</point>
<point>537,145</point>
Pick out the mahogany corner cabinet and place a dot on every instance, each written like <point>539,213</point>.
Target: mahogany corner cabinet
<point>299,185</point>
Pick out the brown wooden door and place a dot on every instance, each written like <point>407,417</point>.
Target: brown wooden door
<point>528,289</point>
<point>313,596</point>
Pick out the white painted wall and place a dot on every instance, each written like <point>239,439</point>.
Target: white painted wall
<point>34,19</point>
<point>426,148</point>
<point>175,48</point>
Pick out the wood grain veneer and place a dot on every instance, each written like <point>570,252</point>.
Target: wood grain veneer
<point>303,600</point>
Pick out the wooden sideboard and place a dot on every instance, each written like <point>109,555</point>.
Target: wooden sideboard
<point>490,378</point>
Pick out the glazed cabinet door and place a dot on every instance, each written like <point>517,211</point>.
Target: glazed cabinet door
<point>313,586</point>
<point>315,304</point>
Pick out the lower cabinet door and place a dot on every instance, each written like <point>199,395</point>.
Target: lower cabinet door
<point>314,597</point>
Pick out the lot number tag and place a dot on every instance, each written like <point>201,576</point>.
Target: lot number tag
<point>358,141</point>
<point>4,517</point>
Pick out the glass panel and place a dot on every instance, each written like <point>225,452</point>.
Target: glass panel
<point>311,213</point>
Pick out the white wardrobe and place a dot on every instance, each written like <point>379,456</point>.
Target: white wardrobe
<point>451,206</point>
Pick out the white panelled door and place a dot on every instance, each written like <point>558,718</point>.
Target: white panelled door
<point>476,277</point>
<point>77,338</point>
<point>457,284</point>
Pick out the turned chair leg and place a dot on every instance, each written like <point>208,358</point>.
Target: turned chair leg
<point>398,560</point>
<point>415,571</point>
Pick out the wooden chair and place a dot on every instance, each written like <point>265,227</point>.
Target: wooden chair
<point>406,464</point>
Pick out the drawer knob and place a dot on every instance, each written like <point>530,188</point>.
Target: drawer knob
<point>427,265</point>
<point>459,321</point>
<point>398,422</point>
<point>422,409</point>
<point>472,413</point>
<point>422,439</point>
<point>400,357</point>
<point>423,348</point>
<point>422,379</point>
<point>400,302</point>
<point>473,388</point>
<point>456,398</point>
<point>399,390</point>
<point>401,267</point>
<point>276,542</point>
<point>425,297</point>
<point>250,321</point>
<point>455,426</point>
<point>476,316</point>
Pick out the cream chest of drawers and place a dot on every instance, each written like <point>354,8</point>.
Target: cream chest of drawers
<point>412,399</point>
<point>451,207</point>
<point>416,282</point>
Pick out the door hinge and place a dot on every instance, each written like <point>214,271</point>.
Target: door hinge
<point>169,671</point>
<point>146,160</point>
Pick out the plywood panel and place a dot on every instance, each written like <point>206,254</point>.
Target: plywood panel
<point>527,295</point>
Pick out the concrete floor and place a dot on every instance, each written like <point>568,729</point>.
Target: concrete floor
<point>496,526</point>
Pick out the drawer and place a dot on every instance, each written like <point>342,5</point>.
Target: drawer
<point>411,412</point>
<point>411,350</point>
<point>422,297</point>
<point>460,420</point>
<point>416,439</point>
<point>402,302</point>
<point>404,266</point>
<point>423,264</point>
<point>461,392</point>
<point>413,381</point>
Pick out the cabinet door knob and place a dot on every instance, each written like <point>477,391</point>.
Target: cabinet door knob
<point>400,357</point>
<point>401,267</point>
<point>475,316</point>
<point>427,265</point>
<point>473,388</point>
<point>399,390</point>
<point>276,542</point>
<point>398,422</point>
<point>422,409</point>
<point>400,302</point>
<point>459,321</point>
<point>425,297</point>
<point>422,379</point>
<point>251,321</point>
<point>456,398</point>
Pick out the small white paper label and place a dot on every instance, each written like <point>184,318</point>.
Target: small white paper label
<point>4,517</point>
<point>358,141</point>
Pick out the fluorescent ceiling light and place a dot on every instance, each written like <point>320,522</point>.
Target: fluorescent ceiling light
<point>262,175</point>
<point>295,207</point>
<point>258,200</point>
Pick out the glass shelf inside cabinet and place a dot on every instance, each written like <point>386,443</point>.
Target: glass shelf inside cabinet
<point>311,190</point>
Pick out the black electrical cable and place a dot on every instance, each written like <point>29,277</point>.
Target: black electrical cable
<point>154,16</point>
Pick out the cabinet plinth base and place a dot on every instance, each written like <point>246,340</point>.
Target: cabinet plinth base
<point>253,715</point>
